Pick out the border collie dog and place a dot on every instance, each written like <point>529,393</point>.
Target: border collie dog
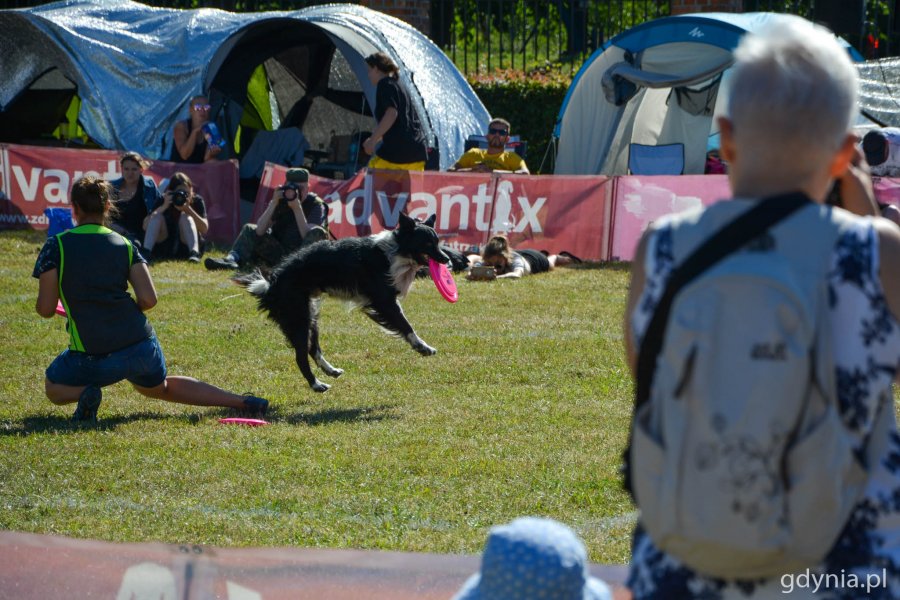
<point>371,272</point>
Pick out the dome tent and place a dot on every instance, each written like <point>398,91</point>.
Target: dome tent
<point>660,84</point>
<point>135,67</point>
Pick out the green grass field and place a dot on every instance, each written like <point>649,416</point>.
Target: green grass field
<point>523,411</point>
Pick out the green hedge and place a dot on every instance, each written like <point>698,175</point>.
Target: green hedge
<point>529,101</point>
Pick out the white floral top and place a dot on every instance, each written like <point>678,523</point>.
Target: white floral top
<point>865,561</point>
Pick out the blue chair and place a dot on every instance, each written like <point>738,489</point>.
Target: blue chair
<point>667,159</point>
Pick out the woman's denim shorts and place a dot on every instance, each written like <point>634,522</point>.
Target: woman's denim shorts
<point>142,364</point>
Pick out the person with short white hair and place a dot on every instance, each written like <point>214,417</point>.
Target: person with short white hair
<point>792,103</point>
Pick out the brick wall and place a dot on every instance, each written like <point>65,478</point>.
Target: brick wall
<point>414,12</point>
<point>680,7</point>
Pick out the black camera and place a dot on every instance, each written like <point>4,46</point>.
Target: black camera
<point>289,191</point>
<point>179,197</point>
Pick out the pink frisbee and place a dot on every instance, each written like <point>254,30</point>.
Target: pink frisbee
<point>60,310</point>
<point>443,280</point>
<point>243,421</point>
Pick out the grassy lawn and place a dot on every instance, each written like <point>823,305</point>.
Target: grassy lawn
<point>523,411</point>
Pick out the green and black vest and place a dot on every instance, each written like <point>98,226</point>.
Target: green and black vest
<point>94,264</point>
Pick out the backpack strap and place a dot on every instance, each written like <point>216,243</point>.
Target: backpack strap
<point>730,238</point>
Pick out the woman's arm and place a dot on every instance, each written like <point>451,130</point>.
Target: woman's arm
<point>142,284</point>
<point>635,289</point>
<point>184,142</point>
<point>202,223</point>
<point>48,293</point>
<point>516,273</point>
<point>387,121</point>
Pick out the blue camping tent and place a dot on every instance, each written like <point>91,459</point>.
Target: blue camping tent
<point>135,67</point>
<point>659,85</point>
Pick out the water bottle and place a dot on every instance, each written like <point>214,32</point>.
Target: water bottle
<point>354,150</point>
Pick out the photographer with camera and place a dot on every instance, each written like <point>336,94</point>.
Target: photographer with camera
<point>295,217</point>
<point>180,210</point>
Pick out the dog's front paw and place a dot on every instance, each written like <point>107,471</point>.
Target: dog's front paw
<point>424,349</point>
<point>419,346</point>
<point>319,386</point>
<point>334,372</point>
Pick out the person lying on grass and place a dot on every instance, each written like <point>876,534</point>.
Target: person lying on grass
<point>514,264</point>
<point>88,269</point>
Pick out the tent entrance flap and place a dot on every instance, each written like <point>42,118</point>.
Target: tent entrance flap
<point>622,80</point>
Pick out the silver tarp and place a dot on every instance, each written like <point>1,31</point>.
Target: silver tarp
<point>879,90</point>
<point>135,67</point>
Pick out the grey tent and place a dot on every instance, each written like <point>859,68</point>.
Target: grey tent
<point>135,67</point>
<point>653,93</point>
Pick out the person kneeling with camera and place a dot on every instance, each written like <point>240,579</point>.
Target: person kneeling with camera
<point>295,217</point>
<point>180,210</point>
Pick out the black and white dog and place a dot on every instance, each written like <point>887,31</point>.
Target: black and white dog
<point>371,272</point>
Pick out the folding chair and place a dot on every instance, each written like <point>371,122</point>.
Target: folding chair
<point>667,159</point>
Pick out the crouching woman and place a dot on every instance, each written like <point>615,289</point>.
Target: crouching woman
<point>88,269</point>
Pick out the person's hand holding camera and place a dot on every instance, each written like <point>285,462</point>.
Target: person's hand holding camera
<point>289,192</point>
<point>180,199</point>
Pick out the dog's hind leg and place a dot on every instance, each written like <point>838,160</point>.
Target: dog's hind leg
<point>297,329</point>
<point>389,315</point>
<point>315,350</point>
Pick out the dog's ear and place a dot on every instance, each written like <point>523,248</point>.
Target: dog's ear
<point>430,220</point>
<point>406,222</point>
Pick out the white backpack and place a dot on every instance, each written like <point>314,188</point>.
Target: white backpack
<point>739,461</point>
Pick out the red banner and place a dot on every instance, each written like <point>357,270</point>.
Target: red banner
<point>546,213</point>
<point>594,217</point>
<point>33,178</point>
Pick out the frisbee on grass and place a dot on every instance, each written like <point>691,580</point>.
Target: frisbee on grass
<point>443,280</point>
<point>60,310</point>
<point>243,421</point>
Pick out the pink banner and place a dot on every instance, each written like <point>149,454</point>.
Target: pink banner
<point>638,201</point>
<point>547,212</point>
<point>887,190</point>
<point>33,178</point>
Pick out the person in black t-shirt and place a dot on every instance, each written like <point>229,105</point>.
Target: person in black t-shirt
<point>88,270</point>
<point>399,129</point>
<point>136,196</point>
<point>179,211</point>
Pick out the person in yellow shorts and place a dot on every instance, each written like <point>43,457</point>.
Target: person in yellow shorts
<point>399,131</point>
<point>495,157</point>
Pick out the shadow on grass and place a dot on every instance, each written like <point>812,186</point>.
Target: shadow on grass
<point>63,424</point>
<point>342,415</point>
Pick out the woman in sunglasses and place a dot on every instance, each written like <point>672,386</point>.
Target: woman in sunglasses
<point>190,140</point>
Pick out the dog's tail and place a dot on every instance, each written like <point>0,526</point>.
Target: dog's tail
<point>254,283</point>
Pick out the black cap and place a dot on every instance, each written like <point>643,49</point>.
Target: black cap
<point>297,175</point>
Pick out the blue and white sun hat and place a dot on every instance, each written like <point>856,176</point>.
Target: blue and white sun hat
<point>533,558</point>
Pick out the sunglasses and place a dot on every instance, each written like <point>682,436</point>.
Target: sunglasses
<point>202,106</point>
<point>495,131</point>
